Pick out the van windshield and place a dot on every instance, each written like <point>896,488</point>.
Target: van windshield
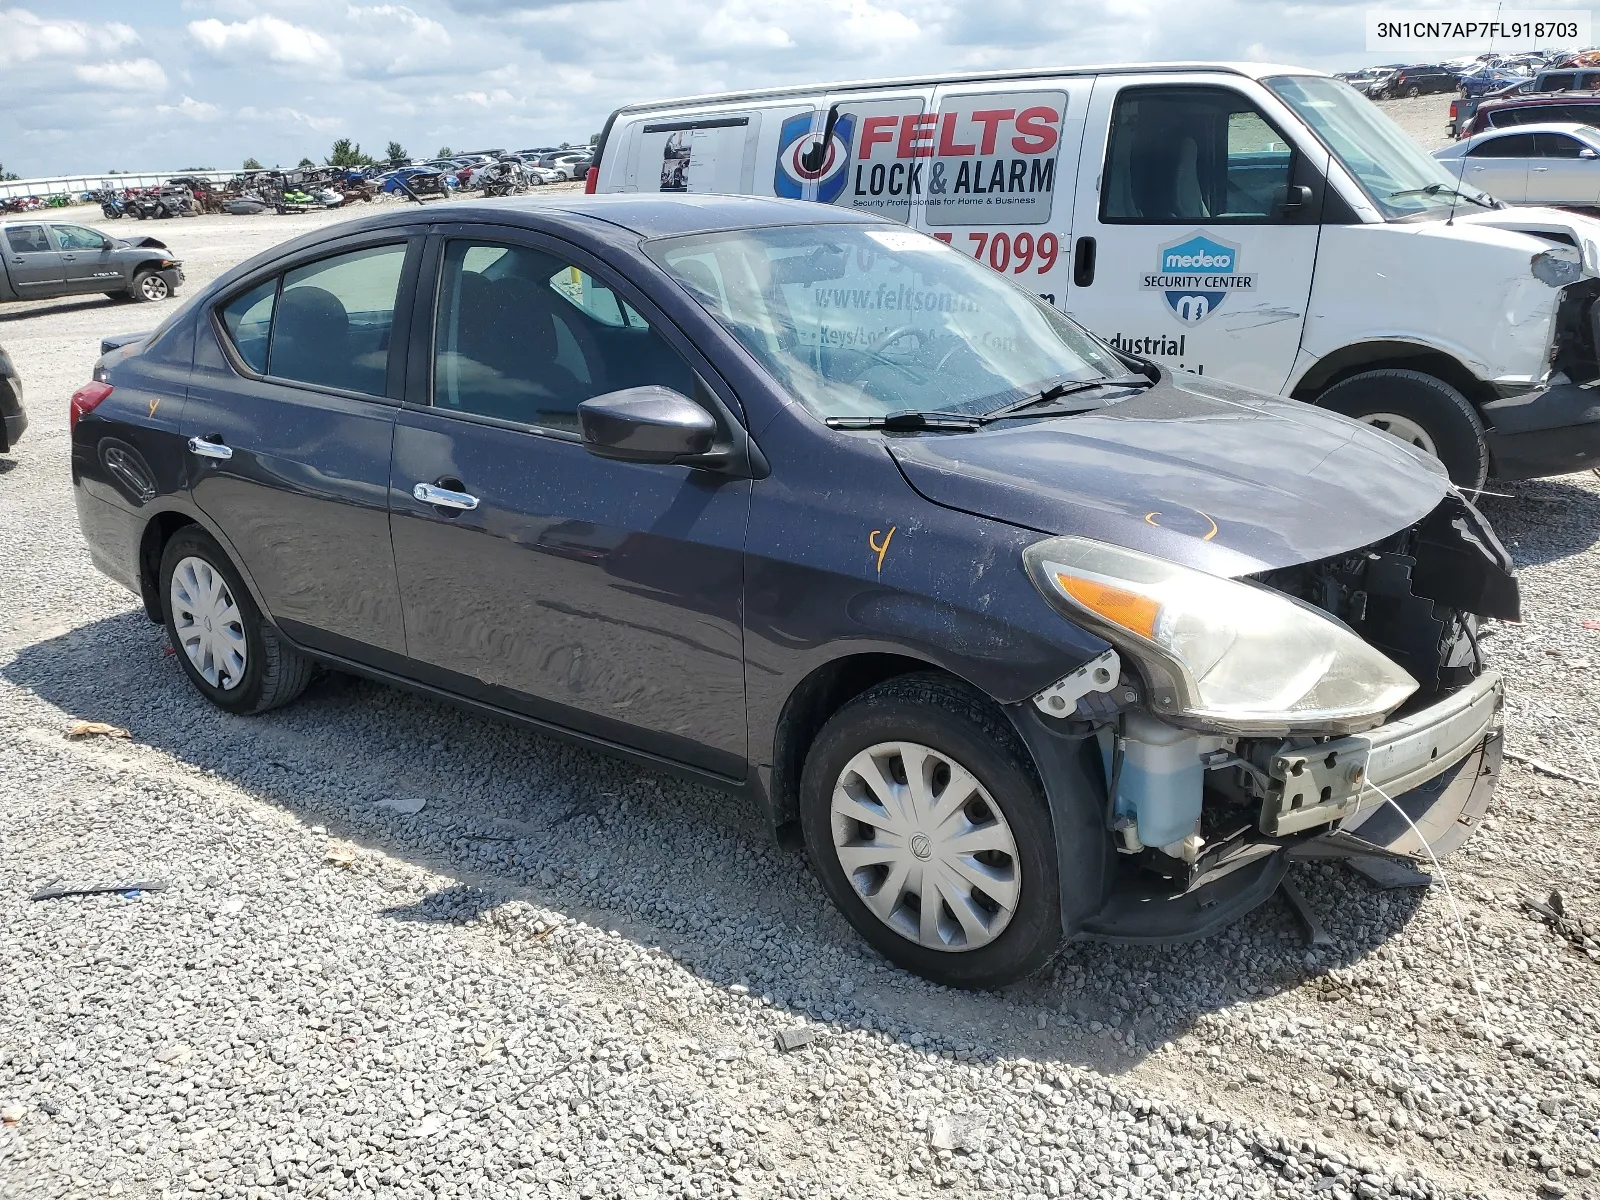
<point>866,320</point>
<point>1398,176</point>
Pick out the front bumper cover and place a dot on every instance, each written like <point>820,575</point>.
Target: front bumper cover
<point>1440,765</point>
<point>1553,432</point>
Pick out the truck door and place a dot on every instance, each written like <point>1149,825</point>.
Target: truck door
<point>1197,216</point>
<point>1000,164</point>
<point>32,264</point>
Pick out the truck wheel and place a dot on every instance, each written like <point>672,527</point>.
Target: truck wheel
<point>149,285</point>
<point>926,823</point>
<point>231,655</point>
<point>1419,409</point>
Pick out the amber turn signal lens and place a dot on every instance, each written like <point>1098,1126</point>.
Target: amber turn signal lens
<point>1135,613</point>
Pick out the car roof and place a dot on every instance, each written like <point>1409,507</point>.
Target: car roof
<point>1543,99</point>
<point>1577,127</point>
<point>651,214</point>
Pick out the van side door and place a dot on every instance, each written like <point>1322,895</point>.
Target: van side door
<point>1198,210</point>
<point>859,155</point>
<point>1001,170</point>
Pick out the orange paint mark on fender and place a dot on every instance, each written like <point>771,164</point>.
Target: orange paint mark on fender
<point>155,404</point>
<point>880,549</point>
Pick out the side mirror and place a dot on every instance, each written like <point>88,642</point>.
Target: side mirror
<point>645,424</point>
<point>1291,199</point>
<point>1588,153</point>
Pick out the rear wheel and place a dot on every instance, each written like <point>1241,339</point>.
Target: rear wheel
<point>1413,92</point>
<point>927,826</point>
<point>235,659</point>
<point>1422,411</point>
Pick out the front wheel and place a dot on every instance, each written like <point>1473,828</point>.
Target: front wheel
<point>231,655</point>
<point>150,285</point>
<point>927,826</point>
<point>1421,410</point>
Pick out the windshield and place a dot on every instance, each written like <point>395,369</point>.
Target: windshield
<point>1398,176</point>
<point>866,320</point>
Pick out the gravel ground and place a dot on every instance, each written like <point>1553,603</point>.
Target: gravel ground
<point>564,976</point>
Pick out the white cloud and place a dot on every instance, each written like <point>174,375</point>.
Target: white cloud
<point>289,116</point>
<point>194,110</point>
<point>270,38</point>
<point>134,75</point>
<point>25,37</point>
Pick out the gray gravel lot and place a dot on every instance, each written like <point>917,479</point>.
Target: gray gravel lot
<point>564,975</point>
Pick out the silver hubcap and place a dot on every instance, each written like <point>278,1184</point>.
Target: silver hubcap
<point>209,624</point>
<point>1404,428</point>
<point>925,847</point>
<point>155,288</point>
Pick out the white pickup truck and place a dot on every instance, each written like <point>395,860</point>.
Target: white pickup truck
<point>1260,223</point>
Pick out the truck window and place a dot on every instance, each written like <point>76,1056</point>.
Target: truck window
<point>76,237</point>
<point>1180,154</point>
<point>27,239</point>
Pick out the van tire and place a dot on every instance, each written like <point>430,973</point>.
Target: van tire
<point>1443,413</point>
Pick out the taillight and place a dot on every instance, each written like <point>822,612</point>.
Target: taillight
<point>591,181</point>
<point>1452,110</point>
<point>85,400</point>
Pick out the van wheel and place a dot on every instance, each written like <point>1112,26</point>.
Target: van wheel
<point>1419,409</point>
<point>227,650</point>
<point>925,821</point>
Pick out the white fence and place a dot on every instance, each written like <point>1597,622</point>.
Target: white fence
<point>75,185</point>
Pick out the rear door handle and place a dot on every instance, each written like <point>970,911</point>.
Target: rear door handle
<point>444,497</point>
<point>207,449</point>
<point>1541,168</point>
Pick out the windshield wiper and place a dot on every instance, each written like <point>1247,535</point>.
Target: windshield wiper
<point>1434,189</point>
<point>1067,387</point>
<point>911,419</point>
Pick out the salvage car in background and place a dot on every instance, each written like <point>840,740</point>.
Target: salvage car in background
<point>13,418</point>
<point>1258,224</point>
<point>1532,110</point>
<point>1531,164</point>
<point>40,259</point>
<point>688,480</point>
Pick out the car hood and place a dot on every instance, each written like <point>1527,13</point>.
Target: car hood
<point>140,243</point>
<point>1217,477</point>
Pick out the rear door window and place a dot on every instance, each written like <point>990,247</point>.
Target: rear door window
<point>1516,145</point>
<point>27,239</point>
<point>333,319</point>
<point>248,320</point>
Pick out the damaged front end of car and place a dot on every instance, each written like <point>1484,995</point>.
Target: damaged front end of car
<point>1239,724</point>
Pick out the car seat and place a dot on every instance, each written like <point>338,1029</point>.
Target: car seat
<point>311,342</point>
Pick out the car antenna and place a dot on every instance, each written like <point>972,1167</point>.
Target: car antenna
<point>813,158</point>
<point>1455,192</point>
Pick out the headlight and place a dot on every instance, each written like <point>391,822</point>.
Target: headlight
<point>1218,653</point>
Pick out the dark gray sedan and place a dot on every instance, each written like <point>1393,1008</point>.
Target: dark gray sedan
<point>1025,639</point>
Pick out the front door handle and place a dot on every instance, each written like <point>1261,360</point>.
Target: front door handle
<point>1541,169</point>
<point>207,449</point>
<point>444,497</point>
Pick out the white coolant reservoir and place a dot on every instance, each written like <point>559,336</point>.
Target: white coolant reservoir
<point>1162,778</point>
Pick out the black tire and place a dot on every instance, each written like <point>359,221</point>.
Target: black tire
<point>1444,414</point>
<point>148,286</point>
<point>957,721</point>
<point>274,673</point>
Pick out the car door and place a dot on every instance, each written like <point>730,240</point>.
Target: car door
<point>86,259</point>
<point>33,264</point>
<point>594,595</point>
<point>1186,247</point>
<point>290,422</point>
<point>1559,172</point>
<point>1499,165</point>
<point>1000,161</point>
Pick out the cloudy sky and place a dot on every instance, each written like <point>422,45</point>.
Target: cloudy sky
<point>93,85</point>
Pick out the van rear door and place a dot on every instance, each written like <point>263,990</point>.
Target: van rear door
<point>1000,166</point>
<point>1197,218</point>
<point>726,150</point>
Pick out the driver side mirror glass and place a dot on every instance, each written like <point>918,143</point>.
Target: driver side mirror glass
<point>1588,153</point>
<point>645,424</point>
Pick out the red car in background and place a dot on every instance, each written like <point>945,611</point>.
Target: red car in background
<point>1529,110</point>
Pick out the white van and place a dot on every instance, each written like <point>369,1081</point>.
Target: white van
<point>1265,224</point>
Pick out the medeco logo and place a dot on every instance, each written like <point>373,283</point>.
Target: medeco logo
<point>1196,276</point>
<point>831,174</point>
